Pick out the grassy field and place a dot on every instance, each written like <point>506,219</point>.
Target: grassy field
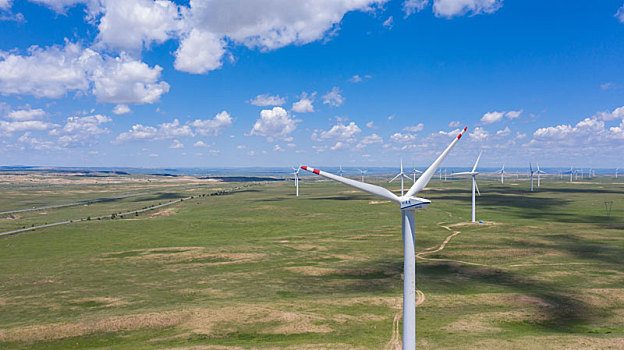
<point>259,268</point>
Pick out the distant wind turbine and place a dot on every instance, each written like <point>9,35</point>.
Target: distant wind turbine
<point>296,173</point>
<point>408,204</point>
<point>531,170</point>
<point>473,174</point>
<point>414,172</point>
<point>539,172</point>
<point>402,175</point>
<point>340,171</point>
<point>362,172</point>
<point>502,173</point>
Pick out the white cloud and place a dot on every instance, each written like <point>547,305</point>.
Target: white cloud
<point>26,114</point>
<point>369,140</point>
<point>454,124</point>
<point>492,117</point>
<point>360,78</point>
<point>606,86</point>
<point>305,104</point>
<point>333,97</point>
<point>164,131</point>
<point>277,148</point>
<point>5,4</point>
<point>412,6</point>
<point>415,128</point>
<point>241,147</point>
<point>338,132</point>
<point>61,5</point>
<point>200,144</point>
<point>199,52</point>
<point>617,113</point>
<point>620,14</point>
<point>81,130</point>
<point>35,143</point>
<point>513,114</point>
<point>403,138</point>
<point>479,134</point>
<point>53,71</point>
<point>268,100</point>
<point>130,25</point>
<point>274,122</point>
<point>388,23</point>
<point>176,144</point>
<point>339,145</point>
<point>121,109</point>
<point>125,80</point>
<point>451,8</point>
<point>212,127</point>
<point>504,132</point>
<point>371,125</point>
<point>7,128</point>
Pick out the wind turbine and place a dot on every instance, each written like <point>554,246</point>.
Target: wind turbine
<point>362,172</point>
<point>616,172</point>
<point>401,175</point>
<point>538,172</point>
<point>474,174</point>
<point>408,204</point>
<point>296,173</point>
<point>532,172</point>
<point>414,172</point>
<point>502,173</point>
<point>340,171</point>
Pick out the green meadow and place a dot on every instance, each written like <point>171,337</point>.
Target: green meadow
<point>260,268</point>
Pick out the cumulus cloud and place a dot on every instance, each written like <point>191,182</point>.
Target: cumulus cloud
<point>371,125</point>
<point>454,124</point>
<point>81,130</point>
<point>360,78</point>
<point>26,114</point>
<point>333,97</point>
<point>176,144</point>
<point>403,138</point>
<point>617,113</point>
<point>200,144</point>
<point>338,132</point>
<point>452,8</point>
<point>164,131</point>
<point>35,143</point>
<point>121,109</point>
<point>5,4</point>
<point>268,100</point>
<point>620,14</point>
<point>305,104</point>
<point>415,128</point>
<point>53,71</point>
<point>513,114</point>
<point>7,128</point>
<point>504,132</point>
<point>412,6</point>
<point>479,134</point>
<point>274,123</point>
<point>492,117</point>
<point>212,127</point>
<point>199,52</point>
<point>369,140</point>
<point>132,25</point>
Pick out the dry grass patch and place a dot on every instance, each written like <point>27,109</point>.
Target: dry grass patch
<point>166,212</point>
<point>563,342</point>
<point>84,327</point>
<point>100,302</point>
<point>471,326</point>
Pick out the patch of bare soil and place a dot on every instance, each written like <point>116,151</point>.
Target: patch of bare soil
<point>165,212</point>
<point>83,327</point>
<point>11,217</point>
<point>101,302</point>
<point>378,202</point>
<point>466,325</point>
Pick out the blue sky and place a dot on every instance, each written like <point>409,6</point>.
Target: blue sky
<point>324,82</point>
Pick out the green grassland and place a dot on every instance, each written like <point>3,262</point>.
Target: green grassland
<point>260,268</point>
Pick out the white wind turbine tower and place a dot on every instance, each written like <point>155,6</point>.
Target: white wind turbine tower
<point>414,172</point>
<point>532,172</point>
<point>362,172</point>
<point>502,173</point>
<point>340,171</point>
<point>296,173</point>
<point>408,204</point>
<point>401,175</point>
<point>539,172</point>
<point>473,174</point>
<point>616,172</point>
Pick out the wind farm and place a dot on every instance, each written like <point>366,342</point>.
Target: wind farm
<point>311,174</point>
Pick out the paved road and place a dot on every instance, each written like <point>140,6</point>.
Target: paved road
<point>89,201</point>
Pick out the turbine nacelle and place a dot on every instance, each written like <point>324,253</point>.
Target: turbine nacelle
<point>413,203</point>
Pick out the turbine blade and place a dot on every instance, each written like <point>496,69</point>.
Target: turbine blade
<point>464,173</point>
<point>477,187</point>
<point>423,180</point>
<point>372,189</point>
<point>394,178</point>
<point>477,162</point>
<point>407,177</point>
